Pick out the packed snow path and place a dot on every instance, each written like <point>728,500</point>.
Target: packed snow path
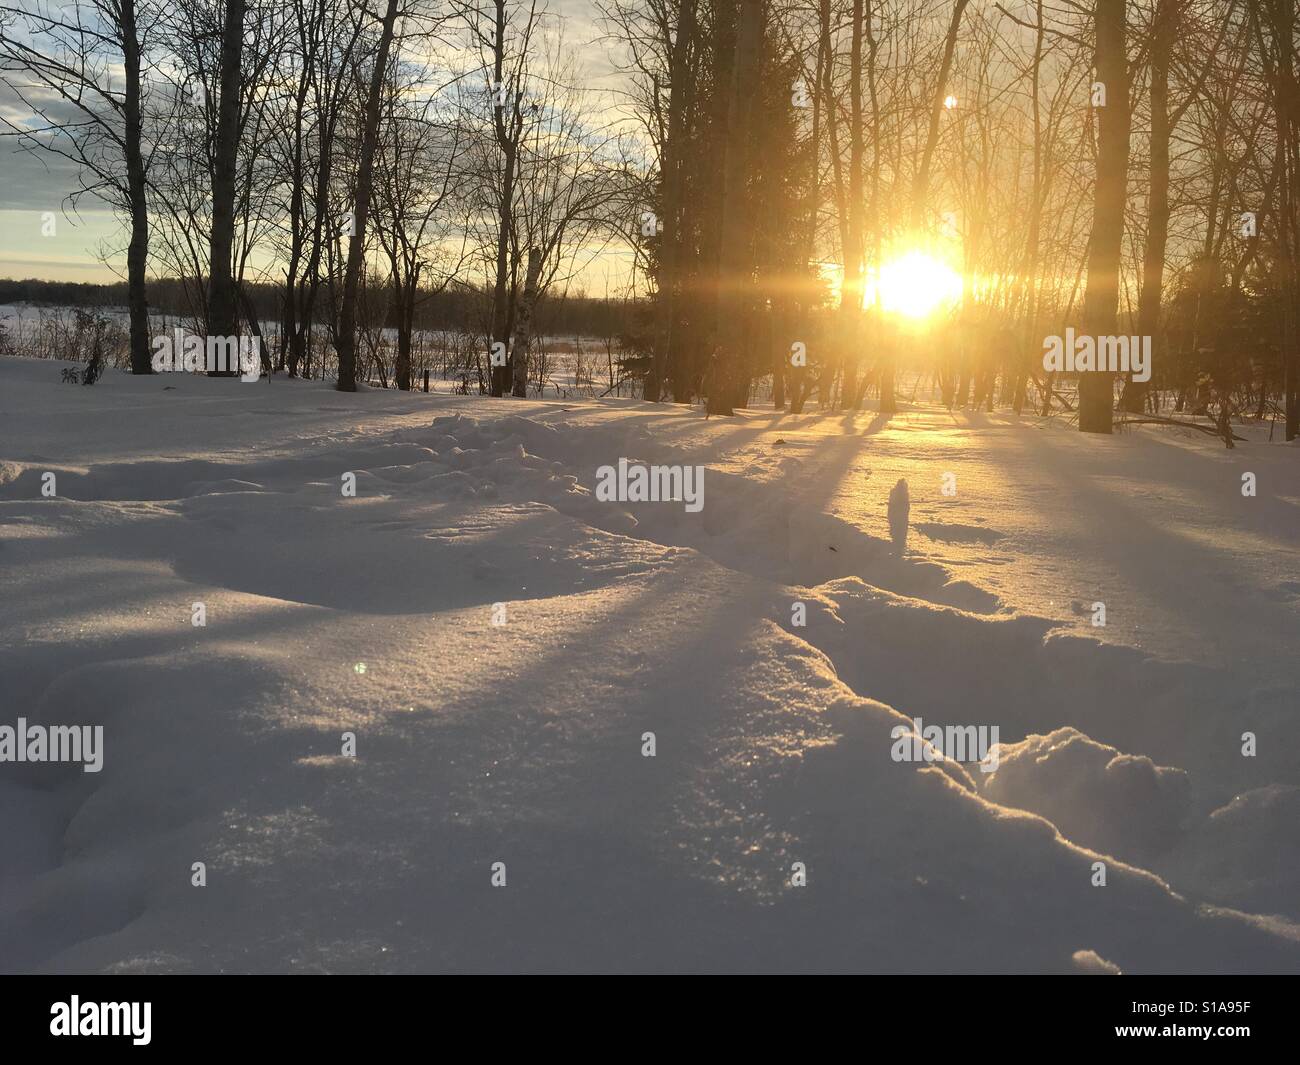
<point>522,743</point>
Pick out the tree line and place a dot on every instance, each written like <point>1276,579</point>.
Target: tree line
<point>458,309</point>
<point>378,166</point>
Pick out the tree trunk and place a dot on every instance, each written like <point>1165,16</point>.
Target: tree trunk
<point>1153,256</point>
<point>500,293</point>
<point>671,185</point>
<point>365,182</point>
<point>404,298</point>
<point>776,353</point>
<point>921,183</point>
<point>508,141</point>
<point>137,252</point>
<point>734,260</point>
<point>1101,298</point>
<point>1288,238</point>
<point>524,324</point>
<point>1023,365</point>
<point>254,327</point>
<point>882,350</point>
<point>223,314</point>
<point>851,286</point>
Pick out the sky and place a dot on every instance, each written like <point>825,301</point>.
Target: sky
<point>74,247</point>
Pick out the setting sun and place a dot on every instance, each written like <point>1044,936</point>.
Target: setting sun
<point>915,285</point>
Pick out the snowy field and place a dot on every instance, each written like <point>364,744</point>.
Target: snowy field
<point>774,828</point>
<point>575,365</point>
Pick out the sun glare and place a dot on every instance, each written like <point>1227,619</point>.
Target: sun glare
<point>915,285</point>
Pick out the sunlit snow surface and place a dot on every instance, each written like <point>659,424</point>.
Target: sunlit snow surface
<point>521,743</point>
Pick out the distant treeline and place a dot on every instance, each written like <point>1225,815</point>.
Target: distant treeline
<point>460,309</point>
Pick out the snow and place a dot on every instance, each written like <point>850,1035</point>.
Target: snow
<point>1090,791</point>
<point>522,742</point>
<point>1088,961</point>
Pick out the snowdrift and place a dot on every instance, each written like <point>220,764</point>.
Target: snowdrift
<point>771,829</point>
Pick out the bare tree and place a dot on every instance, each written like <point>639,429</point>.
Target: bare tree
<point>58,61</point>
<point>418,165</point>
<point>505,39</point>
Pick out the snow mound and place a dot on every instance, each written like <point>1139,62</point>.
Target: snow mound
<point>1116,803</point>
<point>1246,854</point>
<point>1089,961</point>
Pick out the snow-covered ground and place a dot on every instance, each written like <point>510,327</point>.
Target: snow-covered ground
<point>522,743</point>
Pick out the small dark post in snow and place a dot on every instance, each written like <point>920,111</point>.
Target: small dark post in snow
<point>899,505</point>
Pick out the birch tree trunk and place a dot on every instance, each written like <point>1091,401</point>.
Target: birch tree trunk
<point>524,324</point>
